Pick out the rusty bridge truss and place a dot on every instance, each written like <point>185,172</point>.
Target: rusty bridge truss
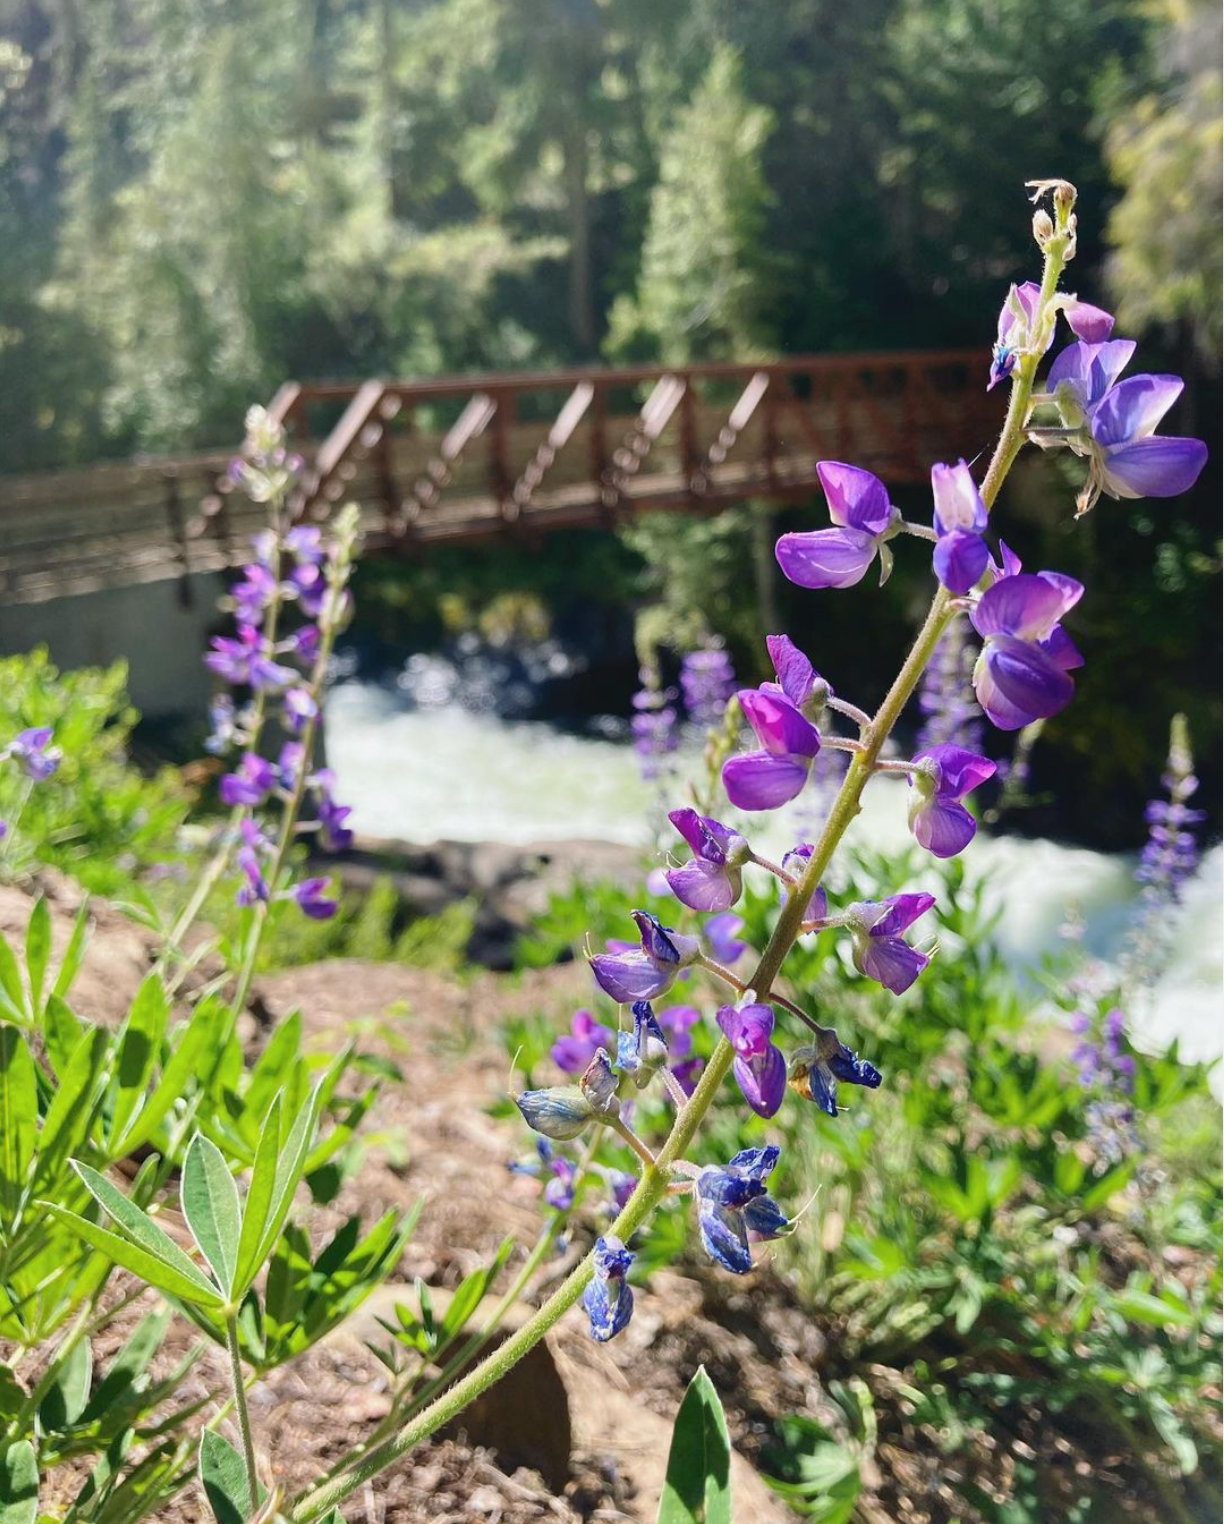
<point>475,457</point>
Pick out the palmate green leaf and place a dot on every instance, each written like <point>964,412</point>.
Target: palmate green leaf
<point>72,1108</point>
<point>129,1365</point>
<point>211,1207</point>
<point>697,1489</point>
<point>18,1119</point>
<point>38,952</point>
<point>290,1166</point>
<point>69,1392</point>
<point>19,1484</point>
<point>279,1070</point>
<point>187,1043</point>
<point>258,1200</point>
<point>149,1267</point>
<point>137,1050</point>
<point>224,1479</point>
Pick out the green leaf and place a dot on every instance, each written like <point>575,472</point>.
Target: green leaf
<point>258,1200</point>
<point>470,1292</point>
<point>211,1207</point>
<point>188,1043</point>
<point>74,953</point>
<point>152,1270</point>
<point>73,1107</point>
<point>141,1230</point>
<point>38,952</point>
<point>12,992</point>
<point>224,1479</point>
<point>1170,1430</point>
<point>19,1484</point>
<point>128,1365</point>
<point>62,1030</point>
<point>139,1044</point>
<point>697,1489</point>
<point>290,1166</point>
<point>66,1398</point>
<point>18,1118</point>
<point>1165,1311</point>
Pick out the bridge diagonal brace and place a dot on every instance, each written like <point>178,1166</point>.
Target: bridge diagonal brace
<point>471,424</point>
<point>571,415</point>
<point>656,414</point>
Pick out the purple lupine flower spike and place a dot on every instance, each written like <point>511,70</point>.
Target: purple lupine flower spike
<point>815,1070</point>
<point>607,1299</point>
<point>707,681</point>
<point>880,951</point>
<point>759,1066</point>
<point>712,879</point>
<point>950,715</point>
<point>1022,673</point>
<point>733,1201</point>
<point>574,1051</point>
<point>938,819</point>
<point>33,753</point>
<point>647,971</point>
<point>251,781</point>
<point>961,554</point>
<point>840,557</point>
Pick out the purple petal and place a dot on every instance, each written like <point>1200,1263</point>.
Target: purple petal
<point>960,771</point>
<point>779,726</point>
<point>1133,409</point>
<point>760,780</point>
<point>1088,371</point>
<point>1092,324</point>
<point>630,976</point>
<point>1017,683</point>
<point>960,559</point>
<point>762,1080</point>
<point>900,911</point>
<point>857,499</point>
<point>704,886</point>
<point>826,557</point>
<point>795,672</point>
<point>958,503</point>
<point>944,827</point>
<point>891,962</point>
<point>1158,467</point>
<point>1061,649</point>
<point>748,1028</point>
<point>1026,605</point>
<point>722,933</point>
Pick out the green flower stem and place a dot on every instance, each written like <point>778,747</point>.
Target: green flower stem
<point>240,1404</point>
<point>655,1182</point>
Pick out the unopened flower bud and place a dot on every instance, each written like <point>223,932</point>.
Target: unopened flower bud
<point>598,1086</point>
<point>561,1112</point>
<point>1043,228</point>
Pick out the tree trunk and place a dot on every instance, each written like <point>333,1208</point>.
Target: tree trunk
<point>578,215</point>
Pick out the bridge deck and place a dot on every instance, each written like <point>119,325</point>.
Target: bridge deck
<point>465,459</point>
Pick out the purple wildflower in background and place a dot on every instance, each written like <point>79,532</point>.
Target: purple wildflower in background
<point>759,1067</point>
<point>33,753</point>
<point>938,819</point>
<point>880,951</point>
<point>312,898</point>
<point>734,1201</point>
<point>815,1070</point>
<point>299,707</point>
<point>607,1299</point>
<point>951,717</point>
<point>840,557</point>
<point>254,888</point>
<point>243,660</point>
<point>251,781</point>
<point>1106,1071</point>
<point>574,1051</point>
<point>961,554</point>
<point>654,724</point>
<point>712,878</point>
<point>649,970</point>
<point>1170,855</point>
<point>559,1192</point>
<point>707,681</point>
<point>678,1022</point>
<point>722,937</point>
<point>1022,672</point>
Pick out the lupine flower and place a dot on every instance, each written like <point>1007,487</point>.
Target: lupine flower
<point>224,718</point>
<point>607,1299</point>
<point>678,1022</point>
<point>1022,672</point>
<point>1129,460</point>
<point>865,519</point>
<point>598,1084</point>
<point>252,595</point>
<point>622,1187</point>
<point>732,1202</point>
<point>573,1052</point>
<point>1092,324</point>
<point>648,970</point>
<point>687,1073</point>
<point>643,1051</point>
<point>1082,374</point>
<point>722,935</point>
<point>304,542</point>
<point>309,585</point>
<point>33,753</point>
<point>712,878</point>
<point>244,660</point>
<point>770,777</point>
<point>300,706</point>
<point>707,681</point>
<point>559,1192</point>
<point>880,951</point>
<point>1107,1072</point>
<point>654,724</point>
<point>1170,854</point>
<point>950,715</point>
<point>304,642</point>
<point>312,899</point>
<point>560,1112</point>
<point>760,1069</point>
<point>251,781</point>
<point>961,554</point>
<point>255,888</point>
<point>938,819</point>
<point>815,1070</point>
<point>1015,332</point>
<point>333,833</point>
<point>795,863</point>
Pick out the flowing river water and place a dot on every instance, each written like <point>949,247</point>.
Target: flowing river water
<point>439,770</point>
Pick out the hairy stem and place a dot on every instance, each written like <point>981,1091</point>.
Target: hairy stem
<point>240,1404</point>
